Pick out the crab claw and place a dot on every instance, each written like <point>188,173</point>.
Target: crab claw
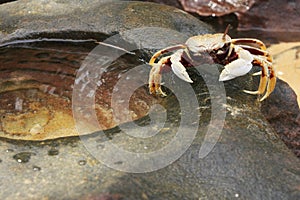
<point>178,68</point>
<point>238,67</point>
<point>234,70</point>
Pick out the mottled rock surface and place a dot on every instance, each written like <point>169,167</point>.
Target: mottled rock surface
<point>282,111</point>
<point>249,161</point>
<point>215,7</point>
<point>36,19</point>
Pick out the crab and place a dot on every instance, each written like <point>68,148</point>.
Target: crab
<point>237,55</point>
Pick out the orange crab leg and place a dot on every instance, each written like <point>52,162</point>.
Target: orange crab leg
<point>258,52</point>
<point>264,82</point>
<point>271,83</point>
<point>266,66</point>
<point>264,78</point>
<point>155,76</point>
<point>168,49</point>
<point>156,71</point>
<point>257,42</point>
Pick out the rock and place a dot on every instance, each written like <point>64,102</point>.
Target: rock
<point>282,111</point>
<point>53,78</point>
<point>247,161</point>
<point>175,4</point>
<point>284,19</point>
<point>35,19</point>
<point>6,1</point>
<point>216,8</point>
<point>251,17</point>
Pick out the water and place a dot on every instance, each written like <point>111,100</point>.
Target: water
<point>36,168</point>
<point>82,162</point>
<point>53,152</point>
<point>23,157</point>
<point>36,87</point>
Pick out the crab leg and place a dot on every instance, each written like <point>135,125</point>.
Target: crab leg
<point>155,76</point>
<point>264,60</point>
<point>257,42</point>
<point>271,83</point>
<point>155,73</point>
<point>266,66</point>
<point>264,77</point>
<point>168,49</point>
<point>258,52</point>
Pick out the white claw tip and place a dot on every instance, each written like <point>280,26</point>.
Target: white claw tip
<point>251,92</point>
<point>226,77</point>
<point>264,97</point>
<point>189,80</point>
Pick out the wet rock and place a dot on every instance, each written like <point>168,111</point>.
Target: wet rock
<point>6,1</point>
<point>273,16</point>
<point>36,99</point>
<point>216,7</point>
<point>282,111</point>
<point>209,7</point>
<point>267,18</point>
<point>35,19</point>
<point>248,160</point>
<point>255,18</point>
<point>166,2</point>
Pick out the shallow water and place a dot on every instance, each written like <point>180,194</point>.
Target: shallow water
<point>36,87</point>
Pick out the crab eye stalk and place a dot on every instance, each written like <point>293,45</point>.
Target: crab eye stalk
<point>225,32</point>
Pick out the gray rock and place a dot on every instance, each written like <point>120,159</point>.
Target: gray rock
<point>248,160</point>
<point>84,19</point>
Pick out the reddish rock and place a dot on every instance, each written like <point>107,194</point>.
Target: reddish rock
<point>216,7</point>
